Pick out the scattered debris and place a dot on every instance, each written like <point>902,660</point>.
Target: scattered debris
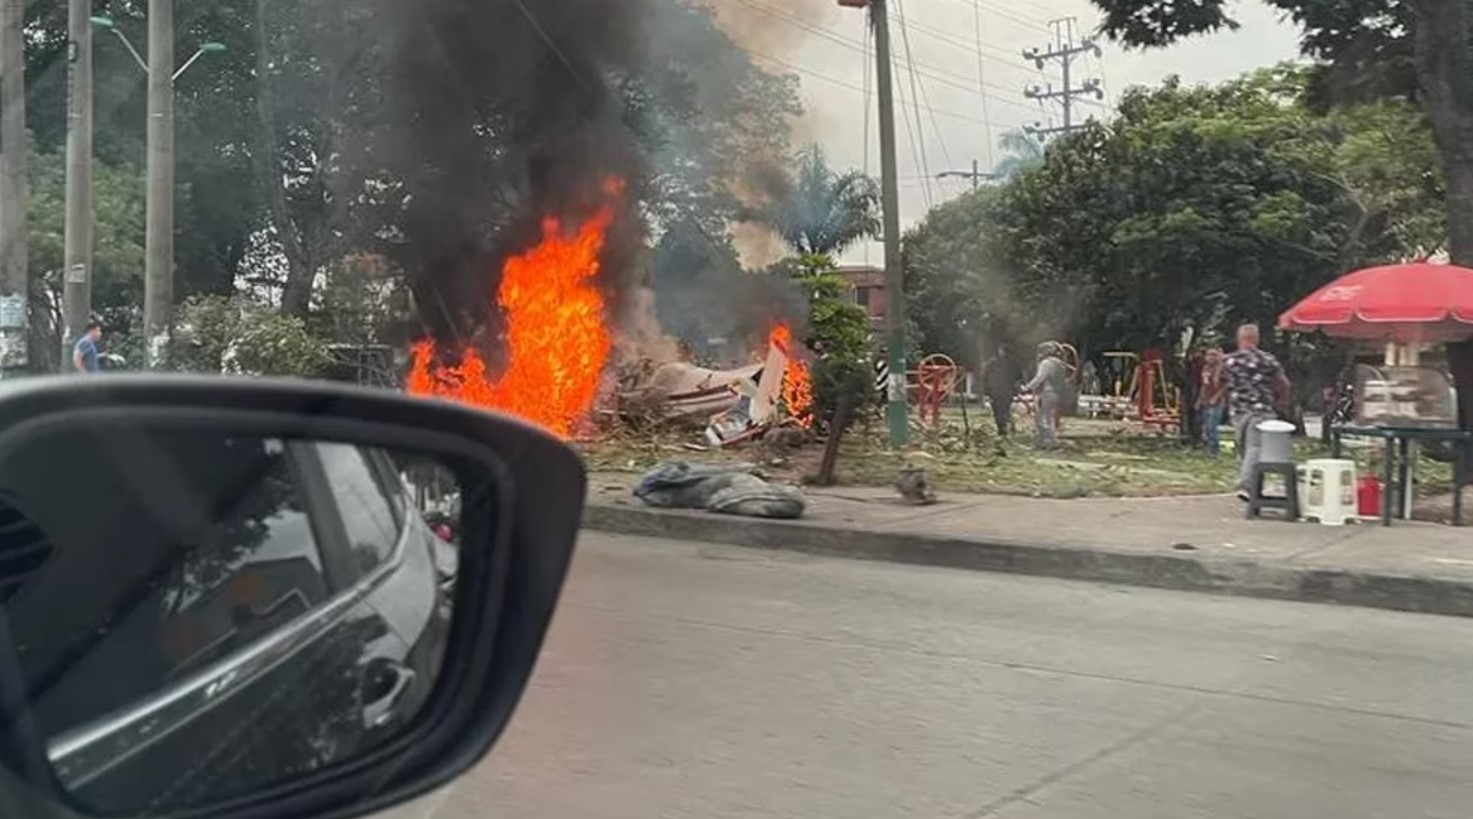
<point>741,404</point>
<point>914,486</point>
<point>756,408</point>
<point>732,489</point>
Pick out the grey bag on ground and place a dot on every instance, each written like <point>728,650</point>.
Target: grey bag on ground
<point>732,489</point>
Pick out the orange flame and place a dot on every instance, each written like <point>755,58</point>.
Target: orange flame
<point>555,337</point>
<point>797,381</point>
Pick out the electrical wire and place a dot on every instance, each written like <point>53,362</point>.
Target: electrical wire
<point>982,82</point>
<point>1040,25</point>
<point>792,66</point>
<point>918,90</point>
<point>1006,57</point>
<point>917,148</point>
<point>958,81</point>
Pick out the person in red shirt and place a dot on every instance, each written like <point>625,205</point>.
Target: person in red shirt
<point>1211,400</point>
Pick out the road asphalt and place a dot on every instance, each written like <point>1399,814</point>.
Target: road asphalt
<point>693,680</point>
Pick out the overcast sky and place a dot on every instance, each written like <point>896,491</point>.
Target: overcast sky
<point>959,121</point>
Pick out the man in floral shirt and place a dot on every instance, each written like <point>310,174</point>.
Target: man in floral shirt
<point>1256,387</point>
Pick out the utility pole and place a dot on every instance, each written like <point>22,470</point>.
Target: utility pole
<point>77,258</point>
<point>1064,50</point>
<point>15,282</point>
<point>158,270</point>
<point>896,411</point>
<point>976,174</point>
<point>896,407</point>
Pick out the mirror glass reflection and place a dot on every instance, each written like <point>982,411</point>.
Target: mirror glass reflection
<point>197,614</point>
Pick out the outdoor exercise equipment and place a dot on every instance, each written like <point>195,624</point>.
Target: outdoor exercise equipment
<point>936,378</point>
<point>1141,379</point>
<point>1157,403</point>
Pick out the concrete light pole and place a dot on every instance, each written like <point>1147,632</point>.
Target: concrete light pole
<point>76,299</point>
<point>158,269</point>
<point>896,407</point>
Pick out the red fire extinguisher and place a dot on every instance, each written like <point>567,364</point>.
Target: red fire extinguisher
<point>1368,496</point>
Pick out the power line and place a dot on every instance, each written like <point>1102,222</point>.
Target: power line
<point>917,148</point>
<point>792,66</point>
<point>954,80</point>
<point>1005,57</point>
<point>981,80</point>
<point>918,89</point>
<point>1008,15</point>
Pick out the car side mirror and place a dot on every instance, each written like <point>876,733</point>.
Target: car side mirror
<point>254,598</point>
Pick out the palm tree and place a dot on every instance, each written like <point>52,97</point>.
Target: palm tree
<point>825,211</point>
<point>1023,151</point>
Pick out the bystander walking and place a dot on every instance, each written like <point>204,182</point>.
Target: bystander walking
<point>1048,386</point>
<point>84,351</point>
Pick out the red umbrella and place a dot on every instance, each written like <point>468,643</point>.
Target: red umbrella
<point>1416,302</point>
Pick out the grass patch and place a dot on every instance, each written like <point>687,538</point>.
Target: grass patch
<point>1092,460</point>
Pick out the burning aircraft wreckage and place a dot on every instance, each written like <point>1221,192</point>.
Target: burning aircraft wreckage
<point>557,350</point>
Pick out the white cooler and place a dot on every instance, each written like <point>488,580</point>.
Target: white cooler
<point>1327,491</point>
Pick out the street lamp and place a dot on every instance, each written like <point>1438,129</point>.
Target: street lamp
<point>207,47</point>
<point>108,24</point>
<point>158,268</point>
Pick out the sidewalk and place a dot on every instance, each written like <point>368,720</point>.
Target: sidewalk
<point>1193,543</point>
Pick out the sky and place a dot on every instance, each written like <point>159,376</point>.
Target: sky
<point>945,119</point>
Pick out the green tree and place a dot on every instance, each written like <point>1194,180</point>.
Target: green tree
<point>1408,49</point>
<point>838,333</point>
<point>825,211</point>
<point>118,227</point>
<point>309,141</point>
<point>702,292</point>
<point>713,122</point>
<point>1022,151</point>
<point>362,300</point>
<point>959,291</point>
<point>1195,206</point>
<point>242,336</point>
<point>1386,155</point>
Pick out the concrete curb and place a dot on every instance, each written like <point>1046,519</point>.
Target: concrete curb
<point>1182,571</point>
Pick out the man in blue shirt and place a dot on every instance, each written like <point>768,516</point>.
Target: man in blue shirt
<point>84,352</point>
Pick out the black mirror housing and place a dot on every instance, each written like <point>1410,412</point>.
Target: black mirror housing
<point>519,505</point>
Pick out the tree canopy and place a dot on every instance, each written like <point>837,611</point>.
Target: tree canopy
<point>311,143</point>
<point>826,211</point>
<point>1364,49</point>
<point>1195,206</point>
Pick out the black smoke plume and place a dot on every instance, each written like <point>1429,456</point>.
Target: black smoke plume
<point>509,111</point>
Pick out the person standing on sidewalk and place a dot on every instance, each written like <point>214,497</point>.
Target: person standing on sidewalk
<point>1000,382</point>
<point>1256,386</point>
<point>84,352</point>
<point>1048,386</point>
<point>1211,400</point>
